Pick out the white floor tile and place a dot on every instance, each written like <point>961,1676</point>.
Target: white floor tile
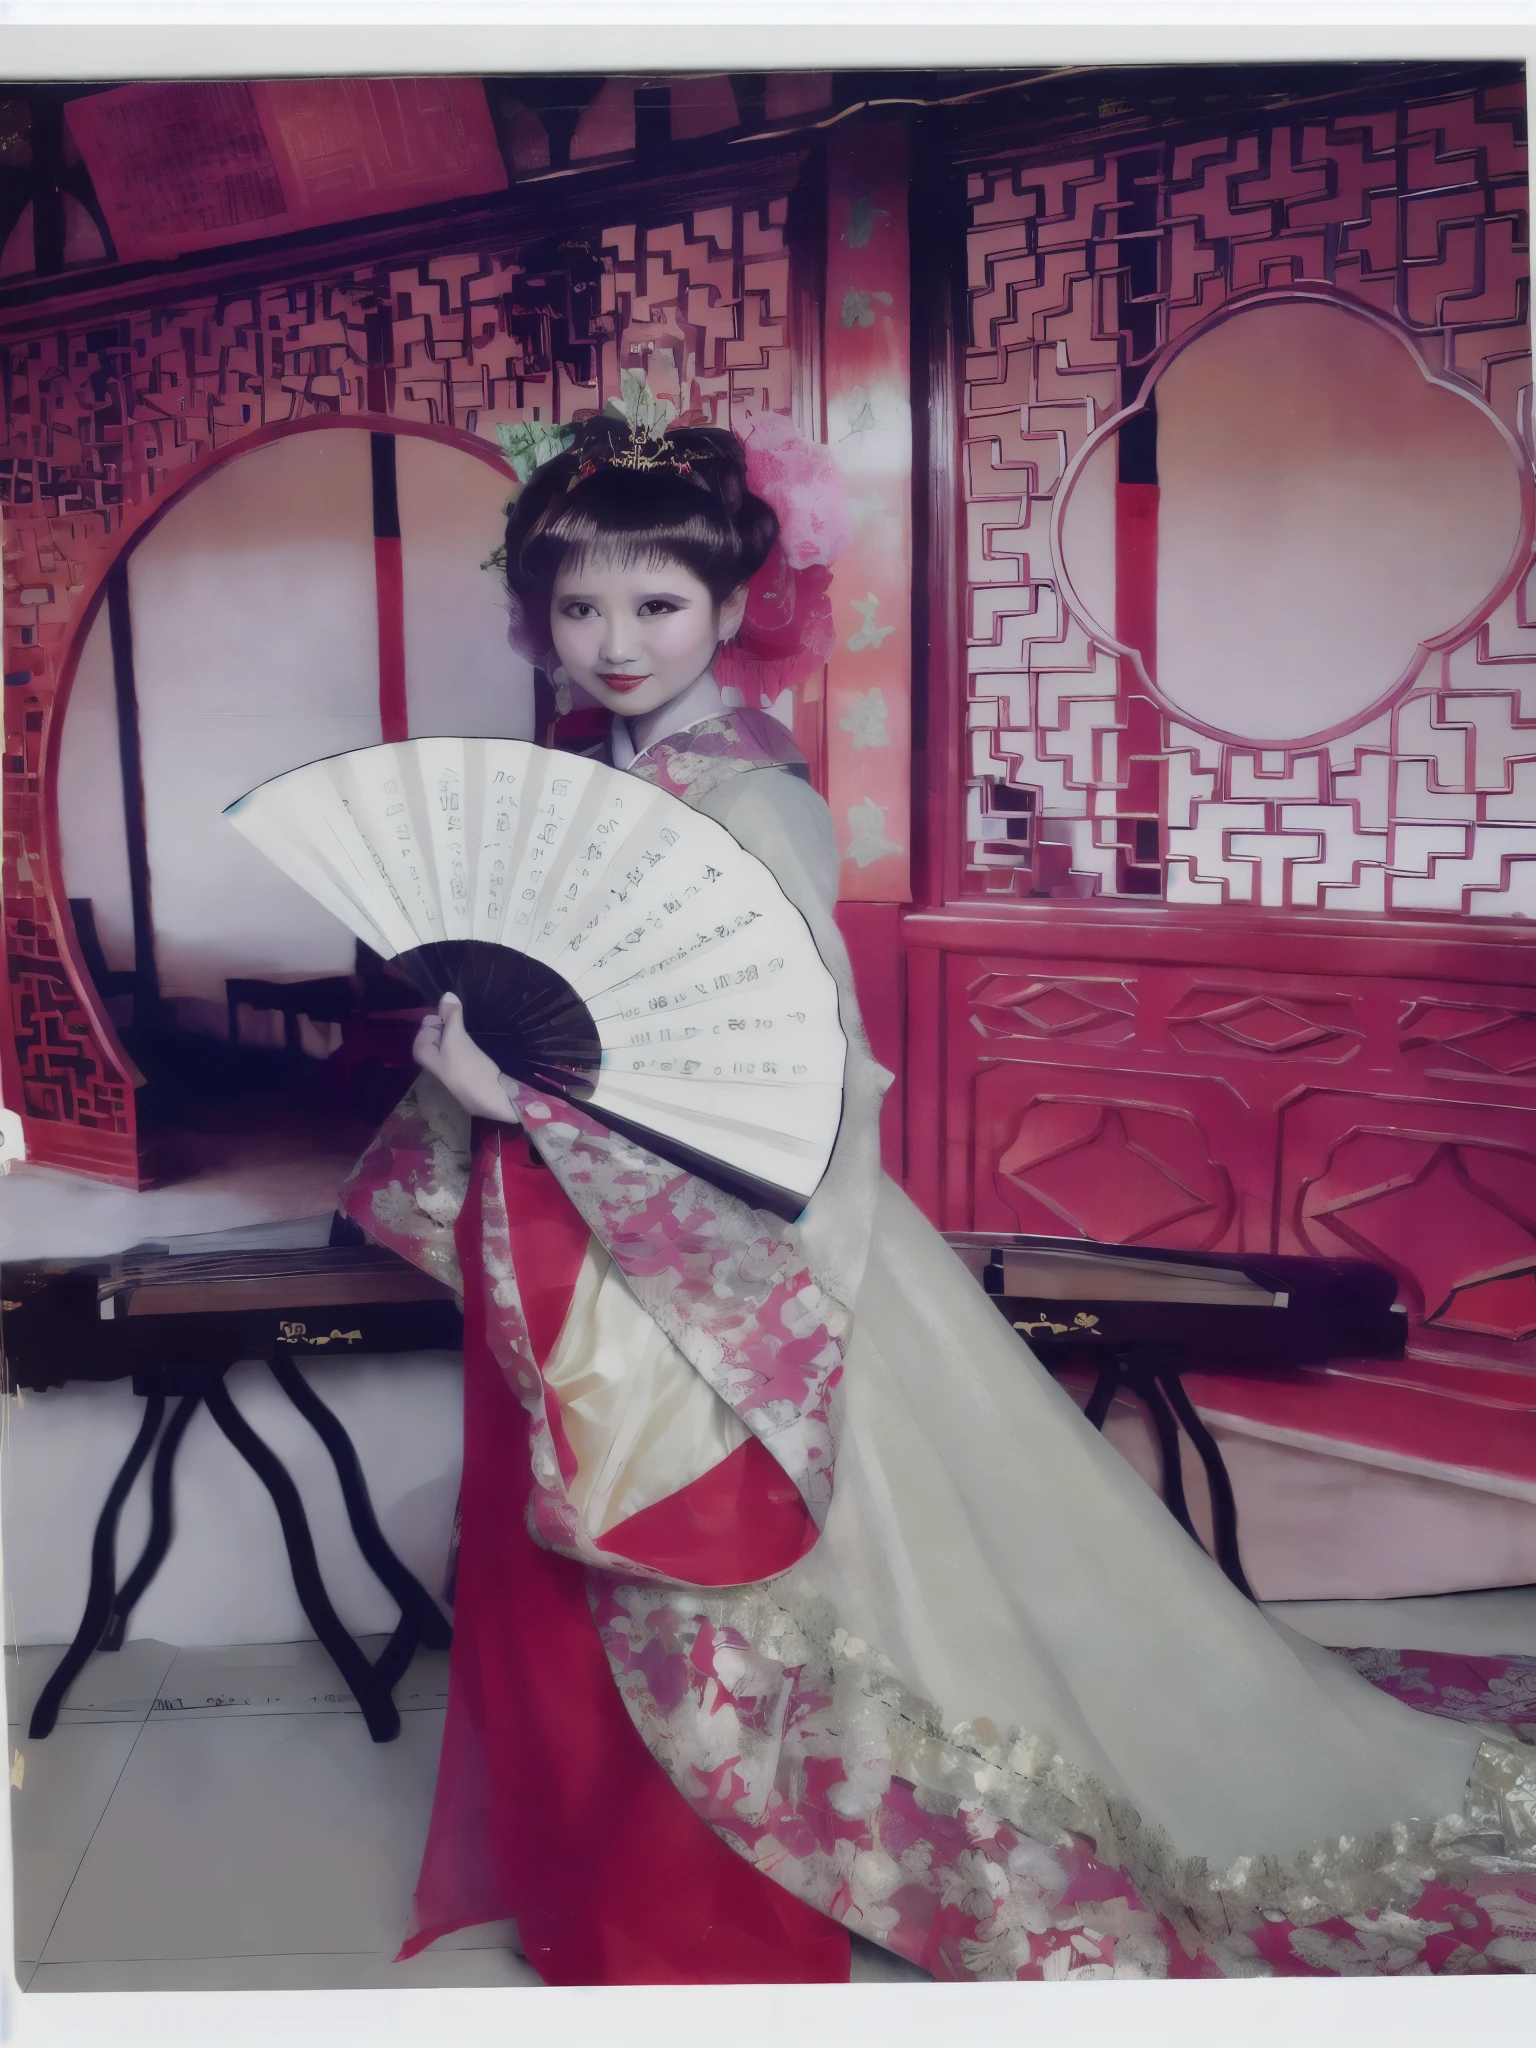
<point>1496,1624</point>
<point>255,1835</point>
<point>484,1966</point>
<point>490,1934</point>
<point>287,1678</point>
<point>116,1685</point>
<point>289,1973</point>
<point>67,1783</point>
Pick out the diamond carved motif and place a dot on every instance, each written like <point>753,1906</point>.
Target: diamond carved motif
<point>1114,1173</point>
<point>1016,1006</point>
<point>1448,1217</point>
<point>1499,1041</point>
<point>1233,1022</point>
<point>1503,1306</point>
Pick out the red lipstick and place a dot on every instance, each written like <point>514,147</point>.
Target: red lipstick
<point>622,683</point>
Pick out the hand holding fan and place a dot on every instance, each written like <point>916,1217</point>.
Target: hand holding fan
<point>609,944</point>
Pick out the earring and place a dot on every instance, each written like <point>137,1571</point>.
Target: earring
<point>561,684</point>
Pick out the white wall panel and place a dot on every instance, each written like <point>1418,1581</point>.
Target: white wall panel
<point>461,676</point>
<point>255,630</point>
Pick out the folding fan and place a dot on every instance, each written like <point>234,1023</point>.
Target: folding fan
<point>610,944</point>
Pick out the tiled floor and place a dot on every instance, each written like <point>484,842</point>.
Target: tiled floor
<point>220,1820</point>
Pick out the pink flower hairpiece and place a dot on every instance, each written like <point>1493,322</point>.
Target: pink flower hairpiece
<point>787,631</point>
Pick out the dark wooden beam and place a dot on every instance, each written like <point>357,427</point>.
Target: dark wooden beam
<point>147,1013</point>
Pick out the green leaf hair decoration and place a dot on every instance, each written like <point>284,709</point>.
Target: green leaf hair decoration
<point>648,416</point>
<point>529,444</point>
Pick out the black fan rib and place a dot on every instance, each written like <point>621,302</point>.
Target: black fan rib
<point>536,1028</point>
<point>527,1018</point>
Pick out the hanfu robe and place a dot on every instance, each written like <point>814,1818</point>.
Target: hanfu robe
<point>795,1599</point>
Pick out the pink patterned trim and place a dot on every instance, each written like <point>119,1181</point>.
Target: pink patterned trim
<point>1501,1690</point>
<point>409,1186</point>
<point>788,1763</point>
<point>736,1300</point>
<point>690,764</point>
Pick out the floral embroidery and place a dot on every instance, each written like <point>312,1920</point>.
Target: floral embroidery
<point>698,761</point>
<point>409,1186</point>
<point>869,634</point>
<point>1453,1687</point>
<point>977,1853</point>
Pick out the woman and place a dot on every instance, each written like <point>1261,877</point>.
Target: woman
<point>835,1614</point>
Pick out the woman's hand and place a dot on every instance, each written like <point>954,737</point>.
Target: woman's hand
<point>446,1050</point>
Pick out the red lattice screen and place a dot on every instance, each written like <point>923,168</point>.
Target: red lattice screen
<point>108,416</point>
<point>1081,273</point>
<point>1179,990</point>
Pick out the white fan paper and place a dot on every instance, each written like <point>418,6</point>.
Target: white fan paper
<point>610,944</point>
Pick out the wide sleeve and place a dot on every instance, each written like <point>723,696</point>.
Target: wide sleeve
<point>409,1186</point>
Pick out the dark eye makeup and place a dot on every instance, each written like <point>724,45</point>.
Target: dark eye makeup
<point>649,607</point>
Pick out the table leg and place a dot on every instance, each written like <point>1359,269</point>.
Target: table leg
<point>389,1667</point>
<point>378,1709</point>
<point>99,1598</point>
<point>1223,1503</point>
<point>1143,1377</point>
<point>160,1525</point>
<point>405,1589</point>
<point>1103,1393</point>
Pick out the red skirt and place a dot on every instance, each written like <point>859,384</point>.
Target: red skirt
<point>549,1809</point>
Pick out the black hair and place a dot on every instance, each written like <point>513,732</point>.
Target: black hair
<point>691,506</point>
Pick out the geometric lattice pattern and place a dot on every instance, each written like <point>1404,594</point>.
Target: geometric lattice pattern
<point>102,419</point>
<point>1080,272</point>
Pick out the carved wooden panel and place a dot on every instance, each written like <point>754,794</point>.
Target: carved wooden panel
<point>1220,1021</point>
<point>1123,1157</point>
<point>1454,1039</point>
<point>1080,273</point>
<point>105,419</point>
<point>1442,1192</point>
<point>1176,1089</point>
<point>1084,1009</point>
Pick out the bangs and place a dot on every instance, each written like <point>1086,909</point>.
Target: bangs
<point>636,527</point>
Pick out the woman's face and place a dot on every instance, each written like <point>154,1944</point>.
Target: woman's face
<point>634,636</point>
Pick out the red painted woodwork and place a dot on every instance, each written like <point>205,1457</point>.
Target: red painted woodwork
<point>1186,1081</point>
<point>1342,1063</point>
<point>867,373</point>
<point>1448,1417</point>
<point>389,583</point>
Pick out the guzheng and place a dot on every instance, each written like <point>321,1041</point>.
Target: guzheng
<point>1235,1310</point>
<point>147,1311</point>
<point>174,1317</point>
<point>1143,1317</point>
